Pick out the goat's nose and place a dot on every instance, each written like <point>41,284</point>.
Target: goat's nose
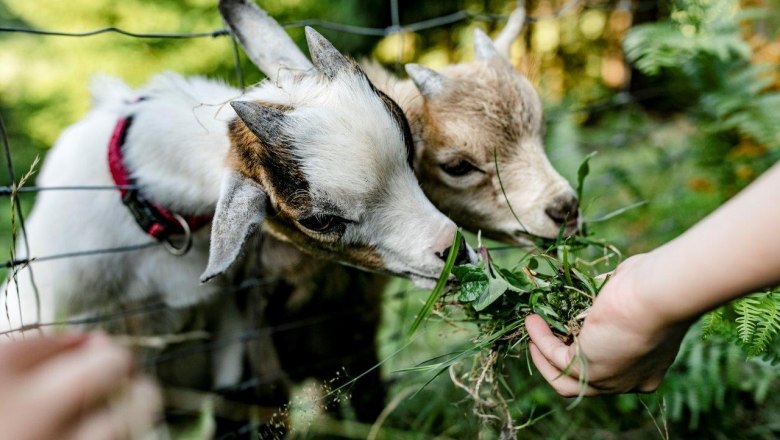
<point>463,256</point>
<point>564,209</point>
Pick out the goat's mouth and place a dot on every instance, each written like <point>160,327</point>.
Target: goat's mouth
<point>426,281</point>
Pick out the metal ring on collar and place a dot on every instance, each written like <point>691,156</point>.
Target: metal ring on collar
<point>186,245</point>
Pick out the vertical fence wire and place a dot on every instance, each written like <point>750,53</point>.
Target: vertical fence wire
<point>395,29</point>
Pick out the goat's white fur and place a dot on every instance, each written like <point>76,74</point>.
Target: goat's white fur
<point>352,150</point>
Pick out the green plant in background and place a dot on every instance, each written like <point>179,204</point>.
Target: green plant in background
<point>706,61</point>
<point>752,322</point>
<point>712,386</point>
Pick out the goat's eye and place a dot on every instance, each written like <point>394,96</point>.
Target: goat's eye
<point>323,223</point>
<point>458,168</point>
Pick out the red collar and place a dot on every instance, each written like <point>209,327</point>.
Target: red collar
<point>154,219</point>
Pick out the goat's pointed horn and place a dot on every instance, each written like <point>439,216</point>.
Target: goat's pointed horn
<point>510,32</point>
<point>326,58</point>
<point>266,43</point>
<point>265,122</point>
<point>428,82</point>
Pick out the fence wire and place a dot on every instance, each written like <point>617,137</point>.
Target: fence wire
<point>14,264</point>
<point>452,18</point>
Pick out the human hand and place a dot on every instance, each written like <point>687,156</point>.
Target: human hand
<point>626,344</point>
<point>72,387</point>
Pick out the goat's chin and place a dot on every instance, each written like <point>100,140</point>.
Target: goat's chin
<point>421,281</point>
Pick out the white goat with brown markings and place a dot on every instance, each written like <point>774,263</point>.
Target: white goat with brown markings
<point>462,120</point>
<point>319,160</point>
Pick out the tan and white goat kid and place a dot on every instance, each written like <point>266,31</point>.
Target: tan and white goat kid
<point>319,160</point>
<point>477,126</point>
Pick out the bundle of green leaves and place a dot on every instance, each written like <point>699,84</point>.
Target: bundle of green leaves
<point>497,296</point>
<point>558,281</point>
<point>553,282</point>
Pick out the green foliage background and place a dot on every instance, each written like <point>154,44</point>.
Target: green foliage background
<point>691,120</point>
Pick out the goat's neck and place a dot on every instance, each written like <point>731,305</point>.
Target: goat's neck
<point>176,154</point>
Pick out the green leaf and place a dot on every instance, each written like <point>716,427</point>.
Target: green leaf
<point>548,314</point>
<point>582,173</point>
<point>616,212</point>
<point>586,281</point>
<point>440,283</point>
<point>517,279</point>
<point>473,281</point>
<point>566,264</point>
<point>497,286</point>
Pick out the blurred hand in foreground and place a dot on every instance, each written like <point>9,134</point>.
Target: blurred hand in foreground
<point>72,387</point>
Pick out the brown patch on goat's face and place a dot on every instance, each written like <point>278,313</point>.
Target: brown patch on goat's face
<point>271,163</point>
<point>488,112</point>
<point>360,255</point>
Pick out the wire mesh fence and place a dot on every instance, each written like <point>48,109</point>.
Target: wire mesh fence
<point>15,264</point>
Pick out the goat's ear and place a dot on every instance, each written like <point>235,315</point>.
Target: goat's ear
<point>428,82</point>
<point>266,43</point>
<point>266,123</point>
<point>329,61</point>
<point>484,49</point>
<point>240,211</point>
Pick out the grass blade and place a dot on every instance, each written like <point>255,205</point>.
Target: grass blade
<point>440,284</point>
<point>616,212</point>
<point>582,173</point>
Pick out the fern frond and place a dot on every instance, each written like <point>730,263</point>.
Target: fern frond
<point>758,321</point>
<point>768,327</point>
<point>748,310</point>
<point>713,323</point>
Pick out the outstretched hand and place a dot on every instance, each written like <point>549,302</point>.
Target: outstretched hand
<point>634,329</point>
<point>624,346</point>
